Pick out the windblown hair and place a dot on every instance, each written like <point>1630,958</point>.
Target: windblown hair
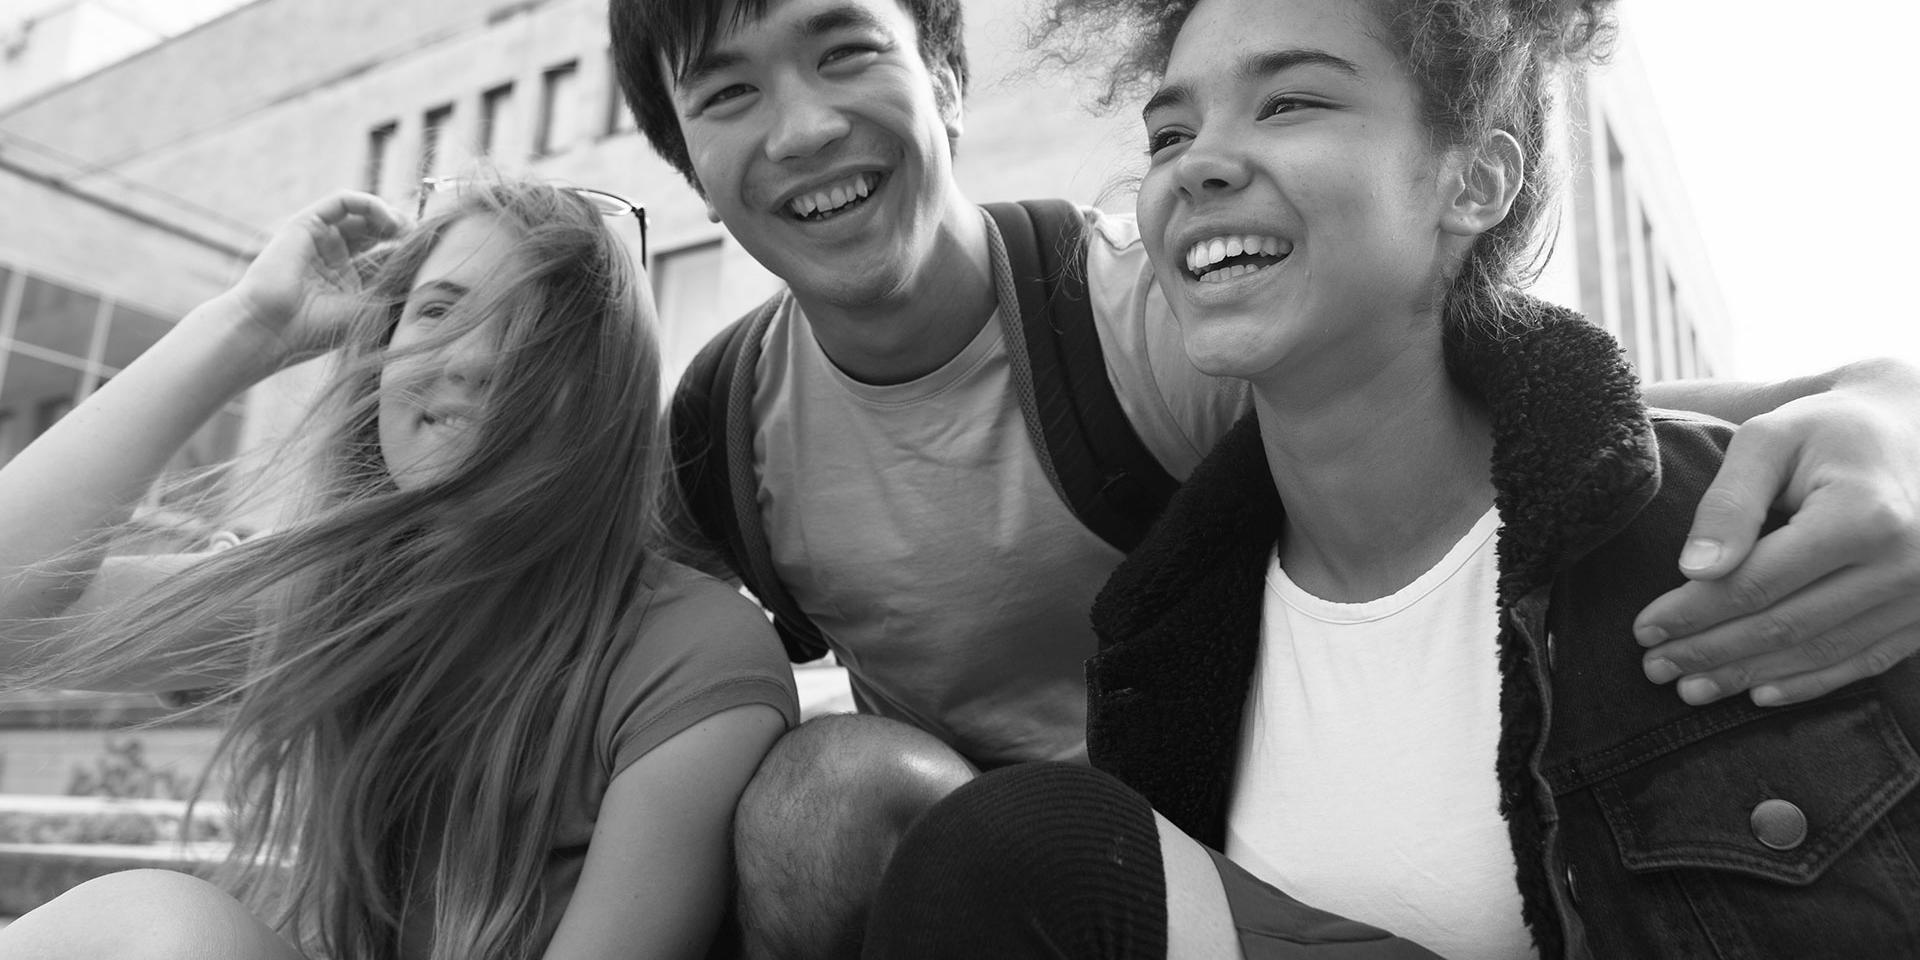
<point>1481,65</point>
<point>416,668</point>
<point>648,34</point>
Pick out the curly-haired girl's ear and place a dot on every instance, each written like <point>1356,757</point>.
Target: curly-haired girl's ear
<point>1490,177</point>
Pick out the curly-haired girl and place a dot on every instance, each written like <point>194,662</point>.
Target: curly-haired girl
<point>1379,653</point>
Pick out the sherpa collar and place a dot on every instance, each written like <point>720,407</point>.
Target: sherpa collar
<point>1573,461</point>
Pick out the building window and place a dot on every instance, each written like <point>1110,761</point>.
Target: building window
<point>686,290</point>
<point>557,105</point>
<point>36,391</point>
<point>1628,320</point>
<point>51,410</point>
<point>56,317</point>
<point>619,118</point>
<point>130,332</point>
<point>379,144</point>
<point>496,105</point>
<point>1660,362</point>
<point>433,134</point>
<point>10,442</point>
<point>59,343</point>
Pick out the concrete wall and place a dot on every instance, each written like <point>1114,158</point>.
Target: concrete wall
<point>88,246</point>
<point>48,761</point>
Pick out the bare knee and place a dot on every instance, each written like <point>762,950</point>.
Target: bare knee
<point>882,770</point>
<point>141,915</point>
<point>818,823</point>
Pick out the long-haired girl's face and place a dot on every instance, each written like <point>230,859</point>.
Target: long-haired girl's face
<point>432,389</point>
<point>1293,201</point>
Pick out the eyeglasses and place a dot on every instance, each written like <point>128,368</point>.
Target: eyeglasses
<point>607,204</point>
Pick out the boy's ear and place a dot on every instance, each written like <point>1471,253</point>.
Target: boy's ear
<point>946,95</point>
<point>1490,176</point>
<point>713,216</point>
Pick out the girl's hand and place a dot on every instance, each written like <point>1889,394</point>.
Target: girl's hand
<point>302,287</point>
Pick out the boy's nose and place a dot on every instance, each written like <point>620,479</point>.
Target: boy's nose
<point>803,127</point>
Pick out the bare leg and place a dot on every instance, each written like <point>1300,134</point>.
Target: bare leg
<point>143,915</point>
<point>1199,924</point>
<point>818,823</point>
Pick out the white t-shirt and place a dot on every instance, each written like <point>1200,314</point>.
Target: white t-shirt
<point>914,523</point>
<point>1366,780</point>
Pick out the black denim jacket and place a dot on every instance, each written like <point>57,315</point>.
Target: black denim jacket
<point>1641,827</point>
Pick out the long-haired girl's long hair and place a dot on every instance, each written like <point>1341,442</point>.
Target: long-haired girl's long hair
<point>417,667</point>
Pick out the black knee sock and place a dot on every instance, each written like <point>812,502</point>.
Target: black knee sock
<point>1035,860</point>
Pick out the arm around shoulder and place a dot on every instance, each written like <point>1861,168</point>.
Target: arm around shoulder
<point>1882,380</point>
<point>1829,597</point>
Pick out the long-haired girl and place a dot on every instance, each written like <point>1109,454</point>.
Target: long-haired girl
<point>471,709</point>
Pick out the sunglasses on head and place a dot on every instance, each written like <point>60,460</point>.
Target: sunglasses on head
<point>608,204</point>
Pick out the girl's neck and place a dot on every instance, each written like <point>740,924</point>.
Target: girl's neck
<point>1380,475</point>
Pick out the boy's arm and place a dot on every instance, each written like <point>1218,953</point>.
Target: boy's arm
<point>1832,596</point>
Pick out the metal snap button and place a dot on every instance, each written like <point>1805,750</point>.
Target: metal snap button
<point>1573,886</point>
<point>1779,824</point>
<point>1550,649</point>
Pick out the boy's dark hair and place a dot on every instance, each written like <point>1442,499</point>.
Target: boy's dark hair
<point>649,35</point>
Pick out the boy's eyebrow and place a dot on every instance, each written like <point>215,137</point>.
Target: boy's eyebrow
<point>712,61</point>
<point>840,18</point>
<point>1254,67</point>
<point>706,65</point>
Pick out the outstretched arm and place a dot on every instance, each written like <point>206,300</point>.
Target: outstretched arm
<point>1834,595</point>
<point>89,470</point>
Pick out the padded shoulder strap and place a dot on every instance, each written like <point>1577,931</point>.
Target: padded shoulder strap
<point>713,456</point>
<point>1106,475</point>
<point>693,420</point>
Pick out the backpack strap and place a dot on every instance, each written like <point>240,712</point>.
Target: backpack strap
<point>713,460</point>
<point>1089,448</point>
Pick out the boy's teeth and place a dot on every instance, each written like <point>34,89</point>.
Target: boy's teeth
<point>834,197</point>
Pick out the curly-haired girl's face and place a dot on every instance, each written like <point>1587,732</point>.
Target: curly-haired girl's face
<point>1293,201</point>
<point>432,395</point>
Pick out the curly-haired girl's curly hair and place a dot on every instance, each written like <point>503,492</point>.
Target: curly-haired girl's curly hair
<point>1481,65</point>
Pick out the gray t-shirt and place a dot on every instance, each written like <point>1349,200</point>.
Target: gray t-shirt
<point>915,525</point>
<point>701,648</point>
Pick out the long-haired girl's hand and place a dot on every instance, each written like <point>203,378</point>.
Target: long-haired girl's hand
<point>302,286</point>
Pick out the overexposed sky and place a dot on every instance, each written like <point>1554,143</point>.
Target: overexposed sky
<point>1793,127</point>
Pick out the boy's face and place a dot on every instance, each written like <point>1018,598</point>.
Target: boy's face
<point>821,141</point>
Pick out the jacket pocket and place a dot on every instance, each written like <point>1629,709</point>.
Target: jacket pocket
<point>1788,835</point>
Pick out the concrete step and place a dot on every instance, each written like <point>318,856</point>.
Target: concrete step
<point>40,819</point>
<point>50,844</point>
